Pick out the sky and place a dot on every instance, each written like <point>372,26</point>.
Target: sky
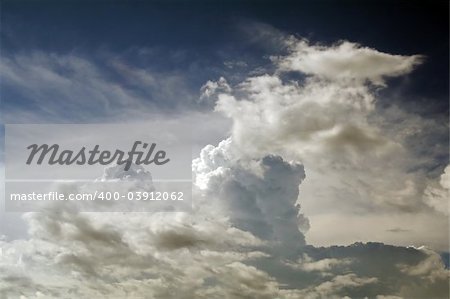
<point>320,146</point>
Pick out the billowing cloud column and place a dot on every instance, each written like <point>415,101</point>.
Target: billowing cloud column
<point>259,195</point>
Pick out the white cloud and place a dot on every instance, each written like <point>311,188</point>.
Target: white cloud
<point>346,62</point>
<point>95,88</point>
<point>431,268</point>
<point>306,263</point>
<point>357,159</point>
<point>437,193</point>
<point>259,195</point>
<point>210,89</point>
<point>333,287</point>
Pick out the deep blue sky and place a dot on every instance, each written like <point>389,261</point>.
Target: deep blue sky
<point>208,32</point>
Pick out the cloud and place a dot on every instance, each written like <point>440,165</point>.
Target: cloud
<point>71,254</point>
<point>211,88</point>
<point>358,157</point>
<point>437,193</point>
<point>313,142</point>
<point>346,62</point>
<point>330,289</point>
<point>215,252</point>
<point>306,263</point>
<point>430,268</point>
<point>90,87</point>
<point>260,195</point>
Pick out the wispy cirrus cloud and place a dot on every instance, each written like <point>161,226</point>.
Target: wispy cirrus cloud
<point>50,87</point>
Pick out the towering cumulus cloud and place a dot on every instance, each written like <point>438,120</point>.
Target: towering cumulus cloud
<point>320,107</point>
<point>306,140</point>
<point>259,195</point>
